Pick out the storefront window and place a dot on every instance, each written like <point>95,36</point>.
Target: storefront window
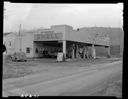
<point>27,50</point>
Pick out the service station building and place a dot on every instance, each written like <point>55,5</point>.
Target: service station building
<point>72,43</point>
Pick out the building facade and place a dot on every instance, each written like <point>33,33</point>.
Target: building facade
<point>80,43</point>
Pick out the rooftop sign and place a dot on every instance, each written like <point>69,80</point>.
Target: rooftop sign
<point>47,36</point>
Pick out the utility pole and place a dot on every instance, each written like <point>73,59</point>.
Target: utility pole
<point>20,36</point>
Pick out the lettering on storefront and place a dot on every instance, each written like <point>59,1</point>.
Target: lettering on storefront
<point>48,36</point>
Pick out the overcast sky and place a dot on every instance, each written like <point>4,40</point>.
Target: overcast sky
<point>32,16</point>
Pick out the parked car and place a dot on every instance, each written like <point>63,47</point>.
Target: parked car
<point>19,56</point>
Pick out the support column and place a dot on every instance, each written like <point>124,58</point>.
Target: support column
<point>87,53</point>
<point>84,52</point>
<point>93,51</point>
<point>77,52</point>
<point>108,51</point>
<point>64,48</point>
<point>73,51</point>
<point>81,52</point>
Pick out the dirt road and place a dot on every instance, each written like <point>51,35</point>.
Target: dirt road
<point>75,82</point>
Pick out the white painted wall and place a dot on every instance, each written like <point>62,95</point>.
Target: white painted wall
<point>26,41</point>
<point>74,35</point>
<point>37,45</point>
<point>59,29</point>
<point>10,38</point>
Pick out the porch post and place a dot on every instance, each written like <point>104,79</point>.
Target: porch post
<point>84,52</point>
<point>93,51</point>
<point>77,52</point>
<point>87,52</point>
<point>73,52</point>
<point>108,51</point>
<point>64,48</point>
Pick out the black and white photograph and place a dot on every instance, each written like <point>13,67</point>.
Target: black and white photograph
<point>62,49</point>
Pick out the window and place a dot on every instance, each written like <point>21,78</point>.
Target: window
<point>27,50</point>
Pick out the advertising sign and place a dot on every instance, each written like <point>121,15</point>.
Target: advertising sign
<point>60,57</point>
<point>48,36</point>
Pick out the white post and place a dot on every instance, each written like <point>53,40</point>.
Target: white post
<point>93,51</point>
<point>84,52</point>
<point>87,53</point>
<point>108,54</point>
<point>76,51</point>
<point>64,48</point>
<point>73,54</point>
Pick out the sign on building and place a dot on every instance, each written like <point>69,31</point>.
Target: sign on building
<point>47,36</point>
<point>60,57</point>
